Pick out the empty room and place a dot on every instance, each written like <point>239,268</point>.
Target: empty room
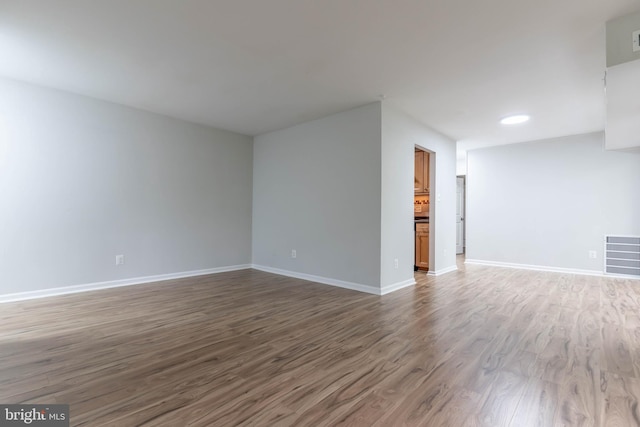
<point>206,213</point>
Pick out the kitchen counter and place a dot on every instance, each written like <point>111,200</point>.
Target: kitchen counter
<point>421,220</point>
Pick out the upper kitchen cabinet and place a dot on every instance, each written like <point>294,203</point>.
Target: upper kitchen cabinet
<point>421,181</point>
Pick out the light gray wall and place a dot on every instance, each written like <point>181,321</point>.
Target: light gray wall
<point>622,126</point>
<point>461,164</point>
<point>400,134</point>
<point>619,47</point>
<point>82,180</point>
<point>549,203</point>
<point>316,189</point>
<point>623,91</point>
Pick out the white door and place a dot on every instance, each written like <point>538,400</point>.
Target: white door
<point>459,215</point>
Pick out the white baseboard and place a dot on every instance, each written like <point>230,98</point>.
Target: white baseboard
<point>319,279</point>
<point>397,286</point>
<point>536,267</point>
<point>43,293</point>
<point>443,271</point>
<point>20,296</point>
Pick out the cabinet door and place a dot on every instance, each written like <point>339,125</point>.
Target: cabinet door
<point>418,184</point>
<point>422,246</point>
<point>425,171</point>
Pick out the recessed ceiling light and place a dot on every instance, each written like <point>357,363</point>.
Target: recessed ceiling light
<point>514,120</point>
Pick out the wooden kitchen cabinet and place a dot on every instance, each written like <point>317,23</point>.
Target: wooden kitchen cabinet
<point>421,173</point>
<point>422,245</point>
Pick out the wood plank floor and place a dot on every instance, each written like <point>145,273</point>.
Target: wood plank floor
<point>478,347</point>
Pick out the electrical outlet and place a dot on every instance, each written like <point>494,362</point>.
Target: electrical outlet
<point>593,254</point>
<point>119,259</point>
<point>395,263</point>
<point>636,41</point>
<point>294,254</point>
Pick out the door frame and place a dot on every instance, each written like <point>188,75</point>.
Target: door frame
<point>463,214</point>
<point>432,207</point>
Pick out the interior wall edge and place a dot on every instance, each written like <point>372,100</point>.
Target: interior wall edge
<point>322,280</point>
<point>443,271</point>
<point>397,286</point>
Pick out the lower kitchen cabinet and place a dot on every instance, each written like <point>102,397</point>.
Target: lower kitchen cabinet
<point>422,245</point>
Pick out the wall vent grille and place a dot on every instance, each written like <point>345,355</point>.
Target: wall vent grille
<point>622,255</point>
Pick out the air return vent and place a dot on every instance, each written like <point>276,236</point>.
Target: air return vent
<point>622,255</point>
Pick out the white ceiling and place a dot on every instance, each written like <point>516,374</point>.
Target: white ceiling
<point>254,66</point>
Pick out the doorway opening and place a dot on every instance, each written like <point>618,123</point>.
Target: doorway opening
<point>423,209</point>
<point>460,215</point>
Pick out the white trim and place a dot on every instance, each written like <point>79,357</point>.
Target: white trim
<point>621,276</point>
<point>397,286</point>
<point>443,271</point>
<point>319,279</point>
<point>20,296</point>
<point>535,267</point>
